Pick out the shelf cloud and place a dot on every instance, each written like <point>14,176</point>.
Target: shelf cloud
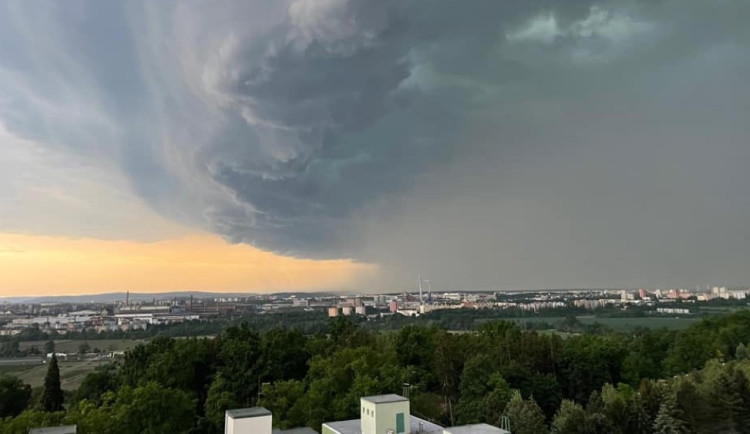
<point>487,144</point>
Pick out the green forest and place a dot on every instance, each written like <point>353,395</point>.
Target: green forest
<point>695,380</point>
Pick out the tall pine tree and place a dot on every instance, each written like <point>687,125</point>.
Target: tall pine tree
<point>668,420</point>
<point>52,395</point>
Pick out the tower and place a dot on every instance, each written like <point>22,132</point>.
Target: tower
<point>419,276</point>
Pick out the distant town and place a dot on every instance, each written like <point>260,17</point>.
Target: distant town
<point>125,315</point>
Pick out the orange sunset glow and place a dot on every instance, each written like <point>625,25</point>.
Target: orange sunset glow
<point>32,265</point>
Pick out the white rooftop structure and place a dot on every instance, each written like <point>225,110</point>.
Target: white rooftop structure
<point>354,426</point>
<point>480,428</point>
<point>390,414</point>
<point>383,414</point>
<point>255,420</point>
<point>384,399</point>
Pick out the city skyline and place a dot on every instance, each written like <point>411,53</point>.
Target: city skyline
<point>352,144</point>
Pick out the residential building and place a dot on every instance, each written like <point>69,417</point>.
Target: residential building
<point>393,307</point>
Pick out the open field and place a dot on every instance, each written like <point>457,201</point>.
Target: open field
<point>31,370</point>
<point>627,324</point>
<point>71,346</point>
<point>621,324</point>
<point>71,372</point>
<point>719,310</point>
<point>17,366</point>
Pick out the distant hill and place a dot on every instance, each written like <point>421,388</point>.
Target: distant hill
<point>120,296</point>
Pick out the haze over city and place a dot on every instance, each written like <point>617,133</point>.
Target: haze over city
<point>347,144</point>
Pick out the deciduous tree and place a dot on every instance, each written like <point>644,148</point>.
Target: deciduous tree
<point>525,416</point>
<point>14,396</point>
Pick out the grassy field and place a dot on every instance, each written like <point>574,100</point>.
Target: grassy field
<point>71,372</point>
<point>71,346</point>
<point>627,324</point>
<point>17,370</point>
<point>719,310</point>
<point>621,324</point>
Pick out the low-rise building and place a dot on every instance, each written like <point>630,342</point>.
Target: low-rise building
<point>380,414</point>
<point>391,414</point>
<point>256,420</point>
<point>480,428</point>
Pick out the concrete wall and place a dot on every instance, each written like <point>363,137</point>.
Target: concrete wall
<point>367,417</point>
<point>248,425</point>
<point>377,418</point>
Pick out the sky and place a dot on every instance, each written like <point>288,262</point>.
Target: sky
<point>265,145</point>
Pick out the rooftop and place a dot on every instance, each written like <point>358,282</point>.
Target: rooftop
<point>295,431</point>
<point>346,426</point>
<point>242,413</point>
<point>480,428</point>
<point>384,399</point>
<point>416,425</point>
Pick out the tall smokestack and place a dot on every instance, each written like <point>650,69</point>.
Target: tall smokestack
<point>420,289</point>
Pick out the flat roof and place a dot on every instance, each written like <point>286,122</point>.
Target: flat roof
<point>416,424</point>
<point>242,413</point>
<point>66,429</point>
<point>352,426</point>
<point>295,431</point>
<point>479,428</point>
<point>384,399</point>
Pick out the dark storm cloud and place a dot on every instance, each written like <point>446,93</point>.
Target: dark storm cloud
<point>337,114</point>
<point>530,143</point>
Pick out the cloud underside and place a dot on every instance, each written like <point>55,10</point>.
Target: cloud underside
<point>535,144</point>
